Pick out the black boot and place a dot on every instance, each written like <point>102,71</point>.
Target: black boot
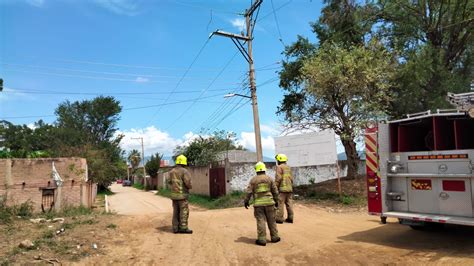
<point>185,231</point>
<point>276,239</point>
<point>289,220</point>
<point>260,242</point>
<point>279,222</point>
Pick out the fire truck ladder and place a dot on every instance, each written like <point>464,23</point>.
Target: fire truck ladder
<point>463,101</point>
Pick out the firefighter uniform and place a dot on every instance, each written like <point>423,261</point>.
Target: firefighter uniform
<point>284,183</point>
<point>265,195</point>
<point>180,183</point>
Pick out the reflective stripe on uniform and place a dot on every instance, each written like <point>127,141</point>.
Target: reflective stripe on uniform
<point>263,195</point>
<point>285,185</point>
<point>264,200</point>
<point>262,187</point>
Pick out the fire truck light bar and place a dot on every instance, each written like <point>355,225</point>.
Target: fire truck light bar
<point>438,157</point>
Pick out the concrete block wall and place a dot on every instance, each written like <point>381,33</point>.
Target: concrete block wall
<point>199,179</point>
<point>239,174</point>
<point>22,179</point>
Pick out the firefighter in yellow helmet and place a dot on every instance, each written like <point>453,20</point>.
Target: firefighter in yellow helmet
<point>179,181</point>
<point>284,183</point>
<point>265,195</point>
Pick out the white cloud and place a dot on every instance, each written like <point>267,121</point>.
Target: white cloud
<point>31,125</point>
<point>119,7</point>
<point>154,140</point>
<point>239,23</point>
<point>272,129</point>
<point>36,3</point>
<point>247,139</point>
<point>142,80</point>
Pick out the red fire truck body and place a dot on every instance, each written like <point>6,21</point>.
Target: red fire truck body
<point>421,169</point>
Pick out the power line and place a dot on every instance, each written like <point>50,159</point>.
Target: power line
<point>48,92</point>
<point>125,109</point>
<point>92,72</point>
<point>230,112</point>
<point>182,78</point>
<point>207,8</point>
<point>204,91</point>
<point>277,24</point>
<point>219,110</point>
<point>223,106</point>
<point>274,10</point>
<point>137,80</point>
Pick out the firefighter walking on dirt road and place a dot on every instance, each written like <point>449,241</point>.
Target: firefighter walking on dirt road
<point>265,195</point>
<point>180,183</point>
<point>284,183</point>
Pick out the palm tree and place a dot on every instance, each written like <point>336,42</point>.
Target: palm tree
<point>134,158</point>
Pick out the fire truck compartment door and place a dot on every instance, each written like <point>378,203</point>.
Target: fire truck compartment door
<point>455,196</point>
<point>423,195</point>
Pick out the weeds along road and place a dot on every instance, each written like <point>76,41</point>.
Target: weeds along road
<point>226,237</point>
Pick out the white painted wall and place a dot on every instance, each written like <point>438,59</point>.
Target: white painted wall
<point>309,149</point>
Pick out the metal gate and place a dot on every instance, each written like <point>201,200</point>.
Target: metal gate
<point>217,182</point>
<point>47,199</point>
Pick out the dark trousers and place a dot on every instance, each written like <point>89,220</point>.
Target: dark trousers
<point>180,214</point>
<point>265,215</point>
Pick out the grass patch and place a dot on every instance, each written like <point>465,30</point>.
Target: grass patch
<point>344,199</point>
<point>138,186</point>
<point>235,199</point>
<point>67,212</point>
<point>7,213</point>
<point>353,192</point>
<point>104,192</point>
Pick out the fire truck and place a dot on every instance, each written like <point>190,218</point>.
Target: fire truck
<point>420,169</point>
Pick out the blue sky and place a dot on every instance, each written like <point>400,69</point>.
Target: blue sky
<point>139,51</point>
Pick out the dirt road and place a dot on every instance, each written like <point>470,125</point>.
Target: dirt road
<point>131,201</point>
<point>226,237</point>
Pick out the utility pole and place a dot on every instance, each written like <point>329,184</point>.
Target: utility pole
<point>143,162</point>
<point>237,39</point>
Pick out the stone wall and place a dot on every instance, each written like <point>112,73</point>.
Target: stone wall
<point>239,174</point>
<point>22,180</point>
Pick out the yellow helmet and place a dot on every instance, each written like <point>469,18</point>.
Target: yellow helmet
<point>182,160</point>
<point>260,167</point>
<point>281,158</point>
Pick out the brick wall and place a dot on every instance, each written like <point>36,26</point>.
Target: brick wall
<point>23,179</point>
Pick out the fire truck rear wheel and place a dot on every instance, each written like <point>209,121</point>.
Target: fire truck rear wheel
<point>383,219</point>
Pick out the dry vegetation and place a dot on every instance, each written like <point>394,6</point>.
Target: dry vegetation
<point>82,234</point>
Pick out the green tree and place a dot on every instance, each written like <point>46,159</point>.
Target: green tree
<point>343,89</point>
<point>87,129</point>
<point>342,100</point>
<point>153,165</point>
<point>203,150</point>
<point>434,43</point>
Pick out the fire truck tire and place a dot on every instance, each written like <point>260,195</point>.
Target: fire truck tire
<point>383,219</point>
